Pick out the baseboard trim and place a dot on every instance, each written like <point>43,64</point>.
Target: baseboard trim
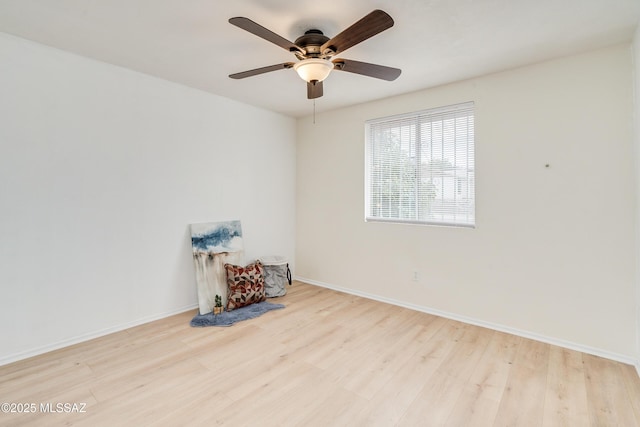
<point>5,360</point>
<point>497,327</point>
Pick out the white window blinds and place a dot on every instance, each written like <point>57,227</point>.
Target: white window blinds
<point>419,167</point>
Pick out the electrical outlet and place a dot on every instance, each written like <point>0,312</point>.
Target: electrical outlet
<point>416,277</point>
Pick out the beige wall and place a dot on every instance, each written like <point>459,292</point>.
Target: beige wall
<point>636,114</point>
<point>102,170</point>
<point>553,252</point>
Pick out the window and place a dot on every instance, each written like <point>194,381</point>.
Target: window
<point>419,167</point>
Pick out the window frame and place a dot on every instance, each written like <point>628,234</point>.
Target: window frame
<point>466,109</point>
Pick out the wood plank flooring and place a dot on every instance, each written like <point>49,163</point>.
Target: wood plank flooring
<point>327,359</point>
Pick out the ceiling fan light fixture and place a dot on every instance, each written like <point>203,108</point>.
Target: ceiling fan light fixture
<point>314,51</point>
<point>313,69</point>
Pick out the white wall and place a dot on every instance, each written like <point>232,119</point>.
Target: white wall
<point>101,172</point>
<point>636,113</point>
<point>553,252</point>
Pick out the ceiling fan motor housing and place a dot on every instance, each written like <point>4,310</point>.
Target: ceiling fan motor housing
<point>311,42</point>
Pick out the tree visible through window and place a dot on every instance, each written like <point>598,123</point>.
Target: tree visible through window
<point>420,167</point>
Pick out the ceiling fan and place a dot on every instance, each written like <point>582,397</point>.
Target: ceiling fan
<point>315,51</point>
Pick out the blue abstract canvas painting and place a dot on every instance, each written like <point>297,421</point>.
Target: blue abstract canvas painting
<point>214,244</point>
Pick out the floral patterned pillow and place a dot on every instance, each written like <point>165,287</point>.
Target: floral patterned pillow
<point>245,285</point>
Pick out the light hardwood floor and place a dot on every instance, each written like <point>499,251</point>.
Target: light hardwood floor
<point>327,359</point>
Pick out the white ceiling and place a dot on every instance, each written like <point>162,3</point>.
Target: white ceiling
<point>433,41</point>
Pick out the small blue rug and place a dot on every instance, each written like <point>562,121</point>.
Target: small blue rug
<point>228,318</point>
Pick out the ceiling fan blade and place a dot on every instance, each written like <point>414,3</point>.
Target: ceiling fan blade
<point>260,31</point>
<point>314,90</point>
<point>261,70</point>
<point>366,69</point>
<point>372,24</point>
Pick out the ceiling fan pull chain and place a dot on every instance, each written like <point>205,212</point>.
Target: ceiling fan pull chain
<point>314,111</point>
